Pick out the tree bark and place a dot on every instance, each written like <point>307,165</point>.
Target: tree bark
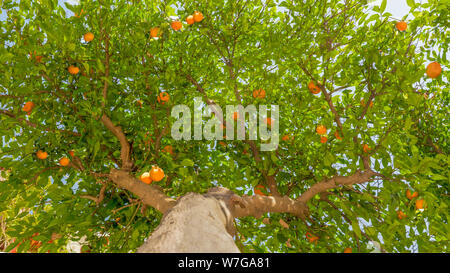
<point>196,224</point>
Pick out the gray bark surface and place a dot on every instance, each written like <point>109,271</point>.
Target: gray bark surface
<point>196,224</point>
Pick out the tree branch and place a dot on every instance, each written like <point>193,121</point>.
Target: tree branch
<point>149,194</point>
<point>34,125</point>
<point>125,151</point>
<point>334,182</point>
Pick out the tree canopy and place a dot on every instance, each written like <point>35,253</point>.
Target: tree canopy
<point>103,101</point>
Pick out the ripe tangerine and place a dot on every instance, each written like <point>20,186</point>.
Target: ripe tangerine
<point>401,26</point>
<point>88,37</point>
<point>434,69</point>
<point>176,25</point>
<point>321,129</point>
<point>313,88</point>
<point>73,70</point>
<point>41,154</point>
<point>64,161</point>
<point>190,20</point>
<point>198,16</point>
<point>156,173</point>
<point>146,178</point>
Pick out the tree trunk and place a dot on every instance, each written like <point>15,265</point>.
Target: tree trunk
<point>196,224</point>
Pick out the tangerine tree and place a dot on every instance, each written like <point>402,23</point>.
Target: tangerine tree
<point>86,92</point>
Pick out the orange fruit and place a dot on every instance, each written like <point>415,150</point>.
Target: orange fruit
<point>401,215</point>
<point>146,178</point>
<point>336,134</point>
<point>286,138</point>
<point>364,104</point>
<point>139,103</point>
<point>163,97</point>
<point>156,173</point>
<point>311,237</point>
<point>79,14</point>
<point>38,58</point>
<point>190,20</point>
<point>269,121</point>
<point>168,149</point>
<point>259,93</point>
<point>73,70</point>
<point>313,88</point>
<point>72,153</point>
<point>64,161</point>
<point>348,250</point>
<point>41,154</point>
<point>198,16</point>
<point>420,204</point>
<point>411,196</point>
<point>401,26</point>
<point>235,115</point>
<point>28,107</point>
<point>321,130</point>
<point>434,70</point>
<point>222,143</point>
<point>154,32</point>
<point>88,37</point>
<point>259,190</point>
<point>176,25</point>
<point>323,139</point>
<point>366,148</point>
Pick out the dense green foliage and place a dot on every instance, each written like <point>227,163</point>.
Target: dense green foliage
<point>240,46</point>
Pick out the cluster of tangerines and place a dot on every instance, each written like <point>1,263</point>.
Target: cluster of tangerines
<point>420,203</point>
<point>162,98</point>
<point>64,161</point>
<point>434,69</point>
<point>322,131</point>
<point>155,174</point>
<point>176,25</point>
<point>88,37</point>
<point>258,94</point>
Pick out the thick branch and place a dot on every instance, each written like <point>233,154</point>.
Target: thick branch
<point>149,194</point>
<point>257,205</point>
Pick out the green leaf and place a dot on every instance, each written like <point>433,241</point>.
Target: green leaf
<point>187,162</point>
<point>383,6</point>
<point>356,229</point>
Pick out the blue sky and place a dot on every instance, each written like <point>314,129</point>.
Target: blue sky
<point>398,8</point>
